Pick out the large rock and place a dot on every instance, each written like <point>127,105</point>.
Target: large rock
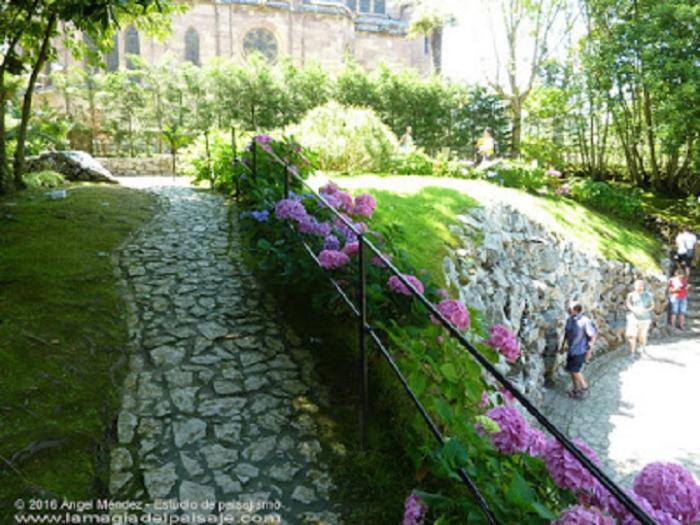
<point>73,165</point>
<point>523,275</point>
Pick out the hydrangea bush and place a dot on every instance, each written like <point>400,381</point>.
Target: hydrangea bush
<point>526,477</point>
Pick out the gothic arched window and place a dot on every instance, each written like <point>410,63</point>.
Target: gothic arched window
<point>263,41</point>
<point>112,58</point>
<point>365,6</point>
<point>379,7</point>
<point>192,46</point>
<point>352,4</point>
<point>132,45</point>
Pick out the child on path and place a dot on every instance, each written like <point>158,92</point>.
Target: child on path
<point>678,294</point>
<point>579,335</point>
<point>640,304</point>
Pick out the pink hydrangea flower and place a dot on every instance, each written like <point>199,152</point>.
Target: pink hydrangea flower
<point>414,511</point>
<point>346,203</point>
<point>331,259</point>
<point>398,287</point>
<point>364,205</point>
<point>670,488</point>
<point>508,398</point>
<point>514,434</point>
<point>351,248</point>
<point>290,209</point>
<point>330,188</point>
<point>485,401</point>
<point>442,293</point>
<point>579,515</point>
<point>564,189</point>
<point>455,312</point>
<point>505,342</point>
<point>565,469</point>
<point>611,504</point>
<point>554,173</point>
<point>536,443</point>
<point>376,261</point>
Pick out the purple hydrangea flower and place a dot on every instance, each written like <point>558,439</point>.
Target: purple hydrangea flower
<point>485,401</point>
<point>290,209</point>
<point>514,435</point>
<point>331,259</point>
<point>554,173</point>
<point>564,189</point>
<point>346,203</point>
<point>364,205</point>
<point>670,488</point>
<point>579,515</point>
<point>414,511</point>
<point>332,243</point>
<point>262,139</point>
<point>442,293</point>
<point>376,261</point>
<point>332,200</point>
<point>455,312</point>
<point>565,469</point>
<point>260,216</point>
<point>505,342</point>
<point>607,501</point>
<point>311,226</point>
<point>398,287</point>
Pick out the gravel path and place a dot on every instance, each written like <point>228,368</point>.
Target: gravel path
<point>637,411</point>
<point>221,402</point>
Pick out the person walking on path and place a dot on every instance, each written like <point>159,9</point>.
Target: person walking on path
<point>579,335</point>
<point>640,304</point>
<point>678,294</point>
<point>406,140</point>
<point>685,248</point>
<point>486,146</point>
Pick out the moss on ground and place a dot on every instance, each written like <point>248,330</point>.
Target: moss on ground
<point>63,337</point>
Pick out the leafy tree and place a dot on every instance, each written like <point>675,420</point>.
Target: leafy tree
<point>429,20</point>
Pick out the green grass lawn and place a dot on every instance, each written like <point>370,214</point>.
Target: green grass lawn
<point>63,337</point>
<point>423,207</point>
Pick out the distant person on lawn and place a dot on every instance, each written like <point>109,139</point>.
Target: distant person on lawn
<point>579,336</point>
<point>685,248</point>
<point>678,294</point>
<point>406,140</point>
<point>486,146</point>
<point>640,304</point>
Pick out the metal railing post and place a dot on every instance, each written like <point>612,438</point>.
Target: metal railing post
<point>286,181</point>
<point>362,318</point>
<point>255,159</point>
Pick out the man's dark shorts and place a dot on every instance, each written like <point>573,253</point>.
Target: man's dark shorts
<point>574,363</point>
<point>687,259</point>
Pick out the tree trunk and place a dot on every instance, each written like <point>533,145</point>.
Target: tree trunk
<point>436,50</point>
<point>517,118</point>
<point>19,160</point>
<point>5,182</point>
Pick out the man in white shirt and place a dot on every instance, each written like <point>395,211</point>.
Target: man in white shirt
<point>685,247</point>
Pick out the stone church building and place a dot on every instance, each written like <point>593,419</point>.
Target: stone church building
<point>324,31</point>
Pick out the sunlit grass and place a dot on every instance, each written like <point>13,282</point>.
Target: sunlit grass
<point>438,200</point>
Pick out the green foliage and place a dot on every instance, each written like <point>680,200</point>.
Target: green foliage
<point>623,202</point>
<point>346,138</point>
<point>43,179</point>
<point>413,162</point>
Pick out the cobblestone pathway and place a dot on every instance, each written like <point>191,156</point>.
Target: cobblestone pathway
<point>215,406</point>
<point>637,411</point>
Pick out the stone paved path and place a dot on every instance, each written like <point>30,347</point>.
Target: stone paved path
<point>637,411</point>
<point>215,406</point>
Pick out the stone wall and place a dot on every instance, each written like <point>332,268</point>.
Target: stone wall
<point>138,166</point>
<point>522,275</point>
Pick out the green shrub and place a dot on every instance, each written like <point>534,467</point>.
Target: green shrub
<point>413,162</point>
<point>347,139</point>
<point>217,169</point>
<point>514,175</point>
<point>43,179</point>
<point>623,202</point>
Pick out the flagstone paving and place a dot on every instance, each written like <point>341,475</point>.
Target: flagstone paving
<point>221,402</point>
<point>637,411</point>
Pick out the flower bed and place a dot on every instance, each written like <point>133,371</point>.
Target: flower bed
<point>525,477</point>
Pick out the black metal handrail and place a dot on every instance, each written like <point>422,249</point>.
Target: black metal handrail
<point>365,329</point>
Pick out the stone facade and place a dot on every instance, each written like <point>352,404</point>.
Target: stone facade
<point>523,276</point>
<point>303,30</point>
<point>138,166</point>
